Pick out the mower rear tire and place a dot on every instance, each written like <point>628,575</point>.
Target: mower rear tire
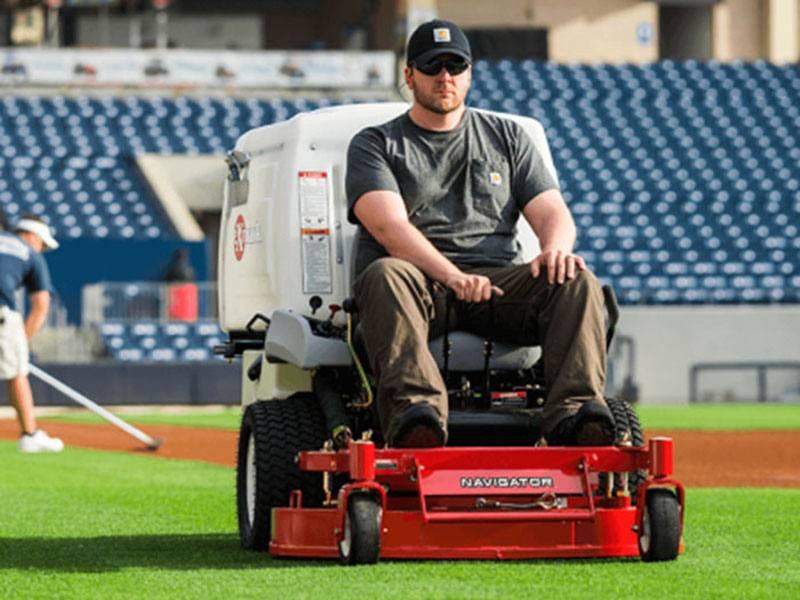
<point>272,433</point>
<point>660,533</point>
<point>361,543</point>
<point>627,432</point>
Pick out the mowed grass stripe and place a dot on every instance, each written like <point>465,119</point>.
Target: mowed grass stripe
<point>87,524</point>
<point>225,418</point>
<point>707,417</point>
<point>720,417</point>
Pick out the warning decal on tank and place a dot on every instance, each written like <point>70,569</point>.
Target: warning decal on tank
<point>239,237</point>
<point>245,235</point>
<point>315,233</point>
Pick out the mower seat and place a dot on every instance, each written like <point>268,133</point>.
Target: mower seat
<point>467,354</point>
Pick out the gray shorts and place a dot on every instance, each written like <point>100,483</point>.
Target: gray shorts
<point>14,358</point>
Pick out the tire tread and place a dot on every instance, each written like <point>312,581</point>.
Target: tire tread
<point>665,526</point>
<point>628,430</point>
<point>281,428</point>
<point>364,515</point>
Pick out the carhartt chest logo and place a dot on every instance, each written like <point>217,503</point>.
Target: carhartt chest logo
<point>441,34</point>
<point>495,178</point>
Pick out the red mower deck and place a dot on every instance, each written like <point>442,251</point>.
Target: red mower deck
<point>484,503</point>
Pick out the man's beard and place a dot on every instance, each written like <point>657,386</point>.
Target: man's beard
<point>431,104</point>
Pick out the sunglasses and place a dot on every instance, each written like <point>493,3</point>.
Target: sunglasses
<point>454,66</point>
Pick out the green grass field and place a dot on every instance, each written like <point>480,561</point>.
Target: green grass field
<point>87,524</point>
<point>701,416</point>
<point>222,418</point>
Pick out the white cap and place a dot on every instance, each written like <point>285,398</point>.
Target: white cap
<point>40,229</point>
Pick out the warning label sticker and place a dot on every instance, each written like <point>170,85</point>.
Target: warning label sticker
<point>315,233</point>
<point>316,264</point>
<point>313,199</point>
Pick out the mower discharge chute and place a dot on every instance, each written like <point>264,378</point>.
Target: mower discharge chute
<point>313,476</point>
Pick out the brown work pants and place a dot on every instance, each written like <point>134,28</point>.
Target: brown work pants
<point>401,309</point>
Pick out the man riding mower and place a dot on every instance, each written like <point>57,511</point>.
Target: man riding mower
<point>313,476</point>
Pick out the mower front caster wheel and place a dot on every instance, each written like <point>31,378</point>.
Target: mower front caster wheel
<point>660,534</point>
<point>361,541</point>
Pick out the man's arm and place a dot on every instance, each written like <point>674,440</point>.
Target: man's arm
<point>40,304</point>
<point>552,223</point>
<point>384,215</point>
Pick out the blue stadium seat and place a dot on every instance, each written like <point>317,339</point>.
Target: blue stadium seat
<point>156,341</point>
<point>94,142</point>
<point>690,163</point>
<point>696,160</point>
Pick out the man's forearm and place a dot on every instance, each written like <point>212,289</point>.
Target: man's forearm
<point>557,232</point>
<point>403,240</point>
<point>40,304</point>
<point>552,222</point>
<point>34,322</point>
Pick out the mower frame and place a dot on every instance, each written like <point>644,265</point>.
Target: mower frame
<point>480,503</point>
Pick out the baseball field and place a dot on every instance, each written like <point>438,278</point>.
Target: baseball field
<point>104,519</point>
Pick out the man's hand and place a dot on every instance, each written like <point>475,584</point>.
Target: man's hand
<point>559,265</point>
<point>472,288</point>
<point>552,223</point>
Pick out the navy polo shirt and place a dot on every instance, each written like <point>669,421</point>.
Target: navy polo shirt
<point>20,265</point>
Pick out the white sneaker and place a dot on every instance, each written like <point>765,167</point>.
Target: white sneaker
<point>40,442</point>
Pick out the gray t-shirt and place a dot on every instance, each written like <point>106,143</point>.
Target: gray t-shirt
<point>463,189</point>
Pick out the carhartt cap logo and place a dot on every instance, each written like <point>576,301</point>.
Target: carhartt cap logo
<point>495,178</point>
<point>441,34</point>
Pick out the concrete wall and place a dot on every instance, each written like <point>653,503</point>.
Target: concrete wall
<point>617,30</point>
<point>163,179</point>
<point>739,30</point>
<point>119,384</point>
<point>685,32</point>
<point>784,31</point>
<point>196,182</point>
<point>579,31</point>
<point>597,32</point>
<point>186,31</point>
<point>331,24</point>
<point>669,340</point>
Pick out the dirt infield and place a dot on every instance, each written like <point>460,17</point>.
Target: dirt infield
<point>215,446</point>
<point>702,458</point>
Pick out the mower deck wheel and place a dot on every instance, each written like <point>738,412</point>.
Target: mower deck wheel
<point>361,542</point>
<point>660,534</point>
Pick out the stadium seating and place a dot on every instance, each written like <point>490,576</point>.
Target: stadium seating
<point>155,341</point>
<point>684,178</point>
<point>72,159</point>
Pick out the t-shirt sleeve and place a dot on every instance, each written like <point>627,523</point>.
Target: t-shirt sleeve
<point>368,169</point>
<point>531,176</point>
<point>38,277</point>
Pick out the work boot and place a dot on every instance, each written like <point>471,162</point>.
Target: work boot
<point>592,425</point>
<point>39,441</point>
<point>418,427</point>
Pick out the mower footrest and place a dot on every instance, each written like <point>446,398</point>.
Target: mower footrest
<point>311,532</point>
<point>451,516</point>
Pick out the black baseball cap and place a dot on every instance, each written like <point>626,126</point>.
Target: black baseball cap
<point>437,37</point>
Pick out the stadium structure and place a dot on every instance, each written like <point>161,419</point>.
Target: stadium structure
<point>674,127</point>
